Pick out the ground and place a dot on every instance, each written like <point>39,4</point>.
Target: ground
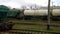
<point>35,27</point>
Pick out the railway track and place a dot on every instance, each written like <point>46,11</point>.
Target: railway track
<point>24,31</point>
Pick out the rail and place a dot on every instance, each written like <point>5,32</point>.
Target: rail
<point>23,31</point>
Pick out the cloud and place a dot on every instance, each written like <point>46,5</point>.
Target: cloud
<point>38,2</point>
<point>55,2</point>
<point>10,3</point>
<point>13,5</point>
<point>19,3</point>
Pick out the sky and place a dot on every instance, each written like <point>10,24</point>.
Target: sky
<point>19,3</point>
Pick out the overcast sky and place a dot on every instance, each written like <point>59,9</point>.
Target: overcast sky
<point>19,3</point>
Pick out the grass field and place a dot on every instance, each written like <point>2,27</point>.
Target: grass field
<point>34,27</point>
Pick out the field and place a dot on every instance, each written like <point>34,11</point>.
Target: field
<point>39,25</point>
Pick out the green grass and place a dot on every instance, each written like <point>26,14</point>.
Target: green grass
<point>28,21</point>
<point>34,21</point>
<point>37,28</point>
<point>29,27</point>
<point>34,27</point>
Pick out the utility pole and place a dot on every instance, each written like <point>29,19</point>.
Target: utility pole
<point>48,24</point>
<point>52,6</point>
<point>51,9</point>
